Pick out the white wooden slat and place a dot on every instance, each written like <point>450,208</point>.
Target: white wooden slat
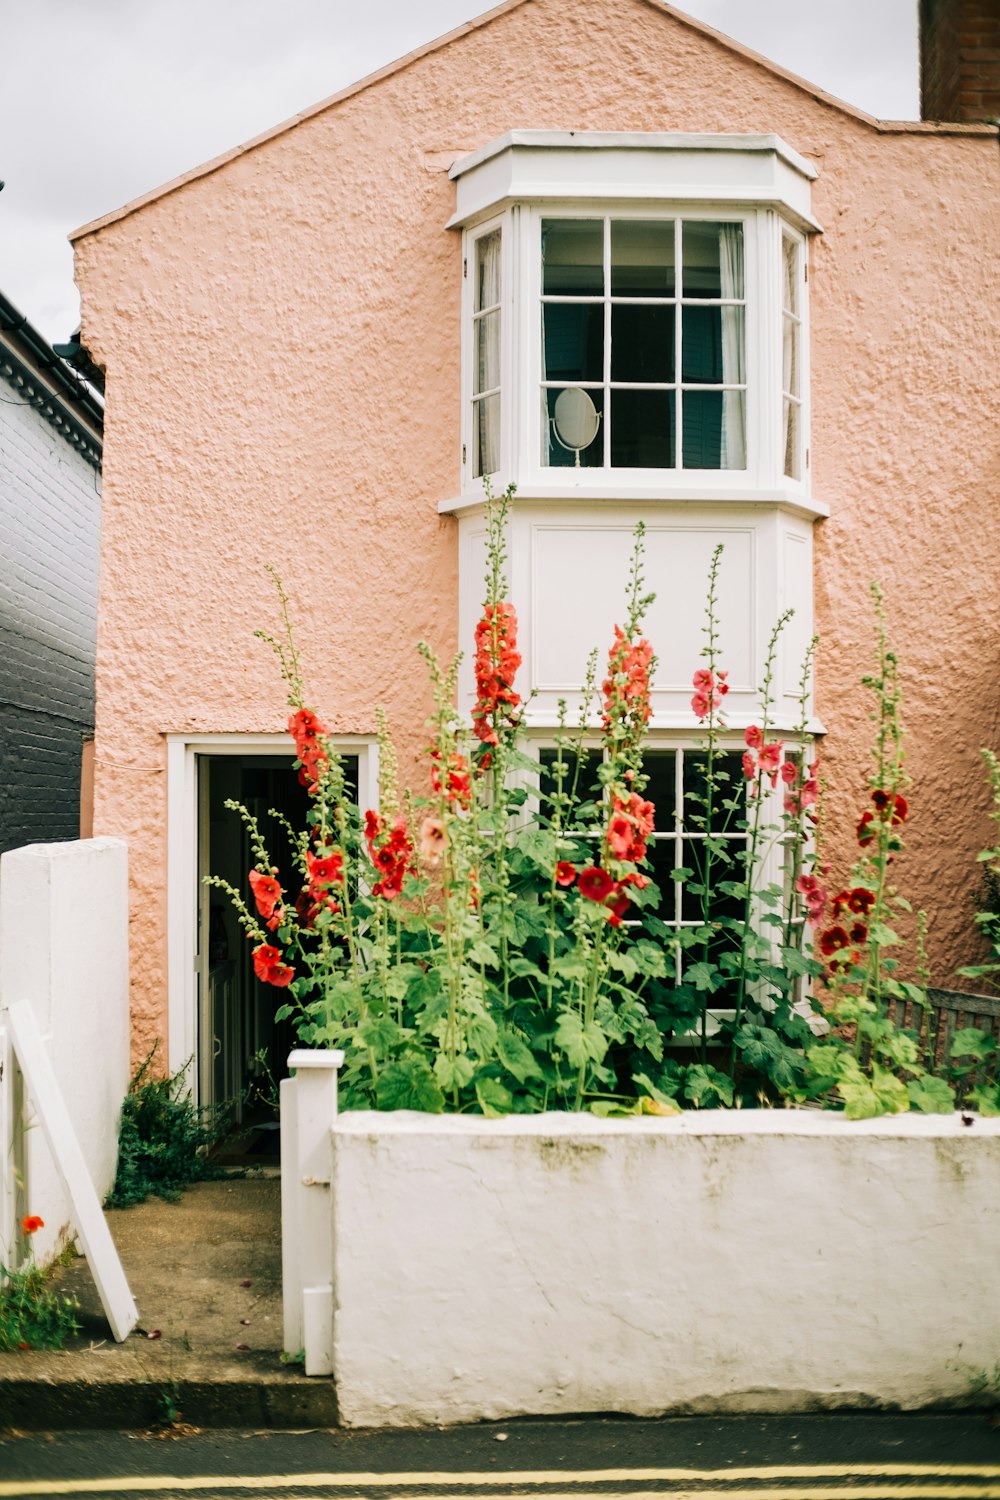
<point>88,1216</point>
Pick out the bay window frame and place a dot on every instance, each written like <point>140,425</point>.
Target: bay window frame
<point>520,179</point>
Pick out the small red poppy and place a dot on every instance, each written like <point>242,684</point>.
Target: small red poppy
<point>31,1223</point>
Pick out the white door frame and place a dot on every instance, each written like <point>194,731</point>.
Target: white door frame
<point>182,862</point>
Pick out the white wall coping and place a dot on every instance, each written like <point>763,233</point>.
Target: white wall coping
<point>707,1122</point>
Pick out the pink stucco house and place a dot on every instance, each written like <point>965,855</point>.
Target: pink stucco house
<point>776,321</point>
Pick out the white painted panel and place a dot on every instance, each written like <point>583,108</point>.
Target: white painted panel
<point>797,590</point>
<point>579,576</point>
<point>61,1139</point>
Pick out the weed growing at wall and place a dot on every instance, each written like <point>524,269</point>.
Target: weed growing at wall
<point>32,1315</point>
<point>163,1140</point>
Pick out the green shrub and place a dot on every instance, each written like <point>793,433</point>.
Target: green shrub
<point>163,1140</point>
<point>31,1315</point>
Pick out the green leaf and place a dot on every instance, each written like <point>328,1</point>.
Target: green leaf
<point>882,935</point>
<point>931,1096</point>
<point>705,1085</point>
<point>986,1098</point>
<point>409,1084</point>
<point>649,1088</point>
<point>650,959</point>
<point>969,1041</point>
<point>883,1094</point>
<point>580,1043</point>
<point>900,1048</point>
<point>704,977</point>
<point>453,1073</point>
<point>517,1057</point>
<point>494,1099</point>
<point>381,1034</point>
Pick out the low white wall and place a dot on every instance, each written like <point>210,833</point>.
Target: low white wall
<point>64,948</point>
<point>717,1261</point>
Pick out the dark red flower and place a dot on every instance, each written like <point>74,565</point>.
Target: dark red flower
<point>860,900</point>
<point>833,939</point>
<point>858,932</point>
<point>595,884</point>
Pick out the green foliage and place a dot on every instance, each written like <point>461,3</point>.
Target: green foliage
<point>163,1140</point>
<point>500,945</point>
<point>32,1315</point>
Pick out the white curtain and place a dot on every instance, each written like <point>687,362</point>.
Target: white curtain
<point>789,357</point>
<point>488,354</point>
<point>734,442</point>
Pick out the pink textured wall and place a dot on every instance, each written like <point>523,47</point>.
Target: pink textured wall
<point>258,321</point>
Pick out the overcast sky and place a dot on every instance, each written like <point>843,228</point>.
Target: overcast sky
<point>104,99</point>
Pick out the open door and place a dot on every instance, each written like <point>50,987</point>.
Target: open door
<point>241,1049</point>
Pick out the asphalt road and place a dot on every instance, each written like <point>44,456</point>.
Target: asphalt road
<point>912,1456</point>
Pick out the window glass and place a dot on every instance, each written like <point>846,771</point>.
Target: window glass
<point>486,355</point>
<point>791,351</point>
<point>659,345</point>
<point>573,257</point>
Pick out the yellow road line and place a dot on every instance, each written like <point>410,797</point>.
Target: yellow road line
<point>443,1483</point>
<point>282,1482</point>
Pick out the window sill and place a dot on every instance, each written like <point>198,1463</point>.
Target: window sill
<point>565,492</point>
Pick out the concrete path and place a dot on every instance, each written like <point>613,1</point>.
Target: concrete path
<point>206,1275</point>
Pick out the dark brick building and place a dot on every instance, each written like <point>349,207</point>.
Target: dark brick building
<point>50,458</point>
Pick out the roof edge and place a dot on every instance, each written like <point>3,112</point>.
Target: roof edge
<point>895,127</point>
<point>207,168</point>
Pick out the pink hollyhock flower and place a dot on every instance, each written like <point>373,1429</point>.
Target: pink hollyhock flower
<point>754,737</point>
<point>432,841</point>
<point>789,771</point>
<point>749,766</point>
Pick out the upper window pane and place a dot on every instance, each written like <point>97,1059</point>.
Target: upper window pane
<point>573,257</point>
<point>488,271</point>
<point>713,260</point>
<point>642,258</point>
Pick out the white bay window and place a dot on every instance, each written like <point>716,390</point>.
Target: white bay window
<point>635,312</point>
<point>635,347</point>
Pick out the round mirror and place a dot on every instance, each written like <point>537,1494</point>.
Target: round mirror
<point>575,418</point>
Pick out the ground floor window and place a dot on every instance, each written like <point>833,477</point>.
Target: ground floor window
<point>701,834</point>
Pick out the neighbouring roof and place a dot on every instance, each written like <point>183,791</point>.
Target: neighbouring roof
<point>921,127</point>
<point>44,381</point>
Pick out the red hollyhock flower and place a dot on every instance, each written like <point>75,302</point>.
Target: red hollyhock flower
<point>789,771</point>
<point>266,892</point>
<point>595,884</point>
<point>496,664</point>
<point>858,932</point>
<point>268,967</point>
<point>749,766</point>
<point>618,905</point>
<point>754,737</point>
<point>832,940</point>
<point>892,803</point>
<point>31,1223</point>
<point>324,870</point>
<point>565,872</point>
<point>860,900</point>
<point>626,686</point>
<point>864,830</point>
<point>770,760</point>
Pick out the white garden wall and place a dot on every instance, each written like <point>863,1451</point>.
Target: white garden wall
<point>63,948</point>
<point>763,1260</point>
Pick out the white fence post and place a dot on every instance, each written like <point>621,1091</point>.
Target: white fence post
<point>308,1108</point>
